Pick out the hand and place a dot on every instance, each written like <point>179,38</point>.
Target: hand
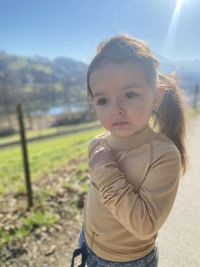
<point>101,156</point>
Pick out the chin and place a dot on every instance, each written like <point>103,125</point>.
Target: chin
<point>123,134</point>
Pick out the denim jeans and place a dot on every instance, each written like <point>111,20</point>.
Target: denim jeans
<point>92,260</point>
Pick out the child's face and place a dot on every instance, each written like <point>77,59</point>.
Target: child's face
<point>123,99</point>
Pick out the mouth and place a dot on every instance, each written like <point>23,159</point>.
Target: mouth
<point>120,123</point>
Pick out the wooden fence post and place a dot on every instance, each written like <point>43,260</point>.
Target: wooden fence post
<point>196,93</point>
<point>25,157</point>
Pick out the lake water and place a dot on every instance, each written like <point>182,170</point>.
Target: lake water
<point>69,108</point>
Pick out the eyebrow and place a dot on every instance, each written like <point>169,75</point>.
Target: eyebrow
<point>97,94</point>
<point>132,85</point>
<point>129,86</point>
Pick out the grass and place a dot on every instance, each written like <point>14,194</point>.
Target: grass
<point>44,157</point>
<point>32,220</point>
<point>44,132</point>
<point>192,112</point>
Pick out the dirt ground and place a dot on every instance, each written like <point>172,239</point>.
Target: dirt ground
<point>46,246</point>
<point>179,239</point>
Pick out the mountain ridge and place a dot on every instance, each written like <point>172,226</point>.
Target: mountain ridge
<point>52,82</point>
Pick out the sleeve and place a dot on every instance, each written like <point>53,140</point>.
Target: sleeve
<point>94,142</point>
<point>144,212</point>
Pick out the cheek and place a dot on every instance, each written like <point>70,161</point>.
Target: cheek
<point>102,115</point>
<point>140,110</point>
<point>135,108</point>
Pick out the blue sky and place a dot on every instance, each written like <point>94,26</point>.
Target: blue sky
<point>73,28</point>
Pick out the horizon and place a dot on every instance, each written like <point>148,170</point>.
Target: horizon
<point>81,61</point>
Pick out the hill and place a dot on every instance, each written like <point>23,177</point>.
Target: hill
<point>41,83</point>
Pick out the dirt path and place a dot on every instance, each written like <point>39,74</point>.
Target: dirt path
<point>179,239</point>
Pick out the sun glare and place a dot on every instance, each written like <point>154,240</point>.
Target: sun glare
<point>173,27</point>
<point>179,4</point>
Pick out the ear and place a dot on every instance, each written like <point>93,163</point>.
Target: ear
<point>158,97</point>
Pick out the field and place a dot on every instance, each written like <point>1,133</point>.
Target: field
<point>59,180</point>
<point>45,131</point>
<point>44,157</point>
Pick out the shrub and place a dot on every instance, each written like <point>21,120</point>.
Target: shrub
<point>71,118</point>
<point>7,132</point>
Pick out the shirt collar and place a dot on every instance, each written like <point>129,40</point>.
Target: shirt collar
<point>135,140</point>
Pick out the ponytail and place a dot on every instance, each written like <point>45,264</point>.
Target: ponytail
<point>170,116</point>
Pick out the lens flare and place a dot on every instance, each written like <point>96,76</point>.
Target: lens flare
<point>169,40</point>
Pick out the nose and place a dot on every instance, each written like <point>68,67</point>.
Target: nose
<point>118,107</point>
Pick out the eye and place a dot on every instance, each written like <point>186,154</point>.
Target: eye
<point>130,94</point>
<point>102,101</point>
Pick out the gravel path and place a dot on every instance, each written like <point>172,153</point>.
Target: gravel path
<point>179,239</point>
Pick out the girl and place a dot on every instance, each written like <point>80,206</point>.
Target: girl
<point>136,165</point>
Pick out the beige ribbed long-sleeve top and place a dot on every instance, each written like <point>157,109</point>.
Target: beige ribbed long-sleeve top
<point>130,198</point>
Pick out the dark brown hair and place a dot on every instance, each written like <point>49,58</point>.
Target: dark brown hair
<point>169,117</point>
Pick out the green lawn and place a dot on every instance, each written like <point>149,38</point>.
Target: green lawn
<point>47,131</point>
<point>44,156</point>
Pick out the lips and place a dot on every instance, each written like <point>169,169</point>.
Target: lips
<point>120,123</point>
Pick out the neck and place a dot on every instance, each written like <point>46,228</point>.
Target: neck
<point>137,139</point>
